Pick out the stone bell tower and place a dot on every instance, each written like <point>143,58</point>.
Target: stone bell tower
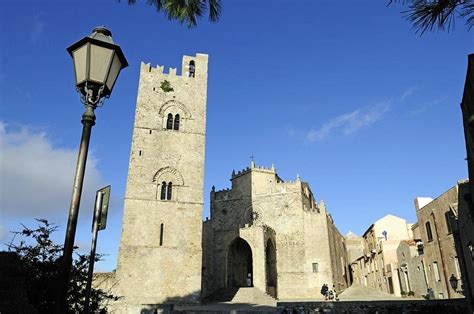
<point>160,253</point>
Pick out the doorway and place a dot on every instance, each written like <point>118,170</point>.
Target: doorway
<point>239,264</point>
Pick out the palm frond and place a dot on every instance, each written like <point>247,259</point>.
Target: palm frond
<point>186,11</point>
<point>437,14</point>
<point>215,8</point>
<point>467,12</point>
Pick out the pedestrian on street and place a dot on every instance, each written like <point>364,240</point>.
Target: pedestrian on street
<point>336,296</point>
<point>324,291</point>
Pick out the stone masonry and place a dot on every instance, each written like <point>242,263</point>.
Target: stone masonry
<point>160,249</point>
<point>272,235</point>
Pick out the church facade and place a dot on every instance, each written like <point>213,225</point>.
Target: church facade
<point>263,232</point>
<point>272,235</point>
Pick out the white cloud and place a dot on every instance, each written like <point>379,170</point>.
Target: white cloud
<point>351,122</point>
<point>408,93</point>
<point>36,177</point>
<point>422,107</point>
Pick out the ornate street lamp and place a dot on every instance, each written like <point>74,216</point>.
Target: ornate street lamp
<point>97,64</point>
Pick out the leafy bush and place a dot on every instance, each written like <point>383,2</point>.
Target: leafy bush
<point>41,264</point>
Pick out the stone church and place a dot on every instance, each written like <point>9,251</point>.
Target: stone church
<point>272,235</point>
<point>263,232</point>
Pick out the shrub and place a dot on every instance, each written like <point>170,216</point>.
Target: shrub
<point>41,263</point>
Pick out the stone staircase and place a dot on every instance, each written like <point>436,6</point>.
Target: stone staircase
<point>243,295</point>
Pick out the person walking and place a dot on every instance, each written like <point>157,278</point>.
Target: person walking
<point>336,296</point>
<point>324,291</point>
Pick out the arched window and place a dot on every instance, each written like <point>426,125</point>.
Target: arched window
<point>176,121</point>
<point>169,122</point>
<point>163,190</point>
<point>429,234</point>
<point>170,188</point>
<point>192,68</point>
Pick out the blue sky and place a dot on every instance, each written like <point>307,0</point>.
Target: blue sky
<point>344,94</point>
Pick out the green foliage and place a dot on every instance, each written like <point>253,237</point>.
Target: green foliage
<point>186,11</point>
<point>437,14</point>
<point>403,293</point>
<point>41,263</point>
<point>411,293</point>
<point>166,86</point>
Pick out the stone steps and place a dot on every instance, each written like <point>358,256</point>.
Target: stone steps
<point>243,295</point>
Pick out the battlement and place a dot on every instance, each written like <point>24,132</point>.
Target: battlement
<point>192,67</point>
<point>253,167</point>
<point>160,69</point>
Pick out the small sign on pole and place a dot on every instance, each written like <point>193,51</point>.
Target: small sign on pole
<point>98,223</point>
<point>105,207</point>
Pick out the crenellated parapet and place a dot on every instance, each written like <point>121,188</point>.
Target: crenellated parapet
<point>253,167</point>
<point>192,67</point>
<point>221,194</point>
<point>159,69</point>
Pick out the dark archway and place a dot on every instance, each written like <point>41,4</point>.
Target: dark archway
<point>239,264</point>
<point>270,268</point>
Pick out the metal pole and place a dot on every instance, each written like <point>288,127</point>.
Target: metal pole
<point>88,121</point>
<point>95,229</point>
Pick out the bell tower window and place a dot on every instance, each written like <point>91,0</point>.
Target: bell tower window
<point>163,190</point>
<point>192,68</point>
<point>169,122</point>
<point>169,191</point>
<point>166,191</point>
<point>176,122</point>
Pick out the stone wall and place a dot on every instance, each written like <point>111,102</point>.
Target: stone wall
<point>465,230</point>
<point>160,249</point>
<point>261,206</point>
<point>440,257</point>
<point>411,269</point>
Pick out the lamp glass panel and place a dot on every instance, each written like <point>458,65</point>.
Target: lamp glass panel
<point>113,72</point>
<point>100,59</point>
<point>80,63</point>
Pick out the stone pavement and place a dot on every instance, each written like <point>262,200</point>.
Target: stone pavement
<point>249,300</point>
<point>363,293</point>
<point>242,300</point>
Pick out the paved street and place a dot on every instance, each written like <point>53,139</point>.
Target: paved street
<point>354,293</point>
<point>363,293</point>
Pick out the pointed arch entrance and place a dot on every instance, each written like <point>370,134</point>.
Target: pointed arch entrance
<point>239,264</point>
<point>270,268</point>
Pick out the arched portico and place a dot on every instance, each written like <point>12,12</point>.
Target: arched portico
<point>239,264</point>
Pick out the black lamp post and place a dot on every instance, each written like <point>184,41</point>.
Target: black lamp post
<point>97,64</point>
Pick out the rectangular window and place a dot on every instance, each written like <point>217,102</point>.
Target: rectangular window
<point>162,227</point>
<point>436,271</point>
<point>315,267</point>
<point>429,234</point>
<point>447,216</point>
